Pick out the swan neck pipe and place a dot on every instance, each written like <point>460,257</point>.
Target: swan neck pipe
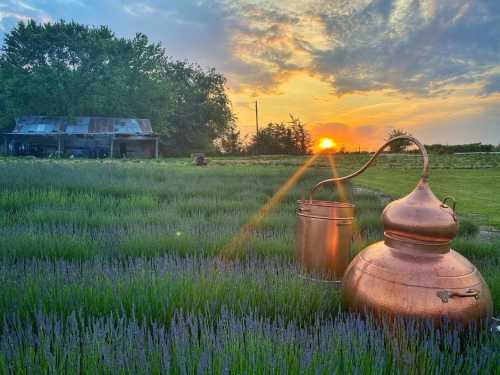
<point>420,146</point>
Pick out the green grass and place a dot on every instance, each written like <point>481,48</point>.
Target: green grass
<point>128,243</point>
<point>475,190</point>
<point>471,179</point>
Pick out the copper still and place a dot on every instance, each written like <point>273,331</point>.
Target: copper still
<point>413,272</point>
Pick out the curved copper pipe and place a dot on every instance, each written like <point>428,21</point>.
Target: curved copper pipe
<point>421,147</point>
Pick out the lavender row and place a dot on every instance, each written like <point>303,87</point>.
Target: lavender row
<point>230,344</point>
<point>155,288</point>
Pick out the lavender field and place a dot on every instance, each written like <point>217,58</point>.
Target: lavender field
<point>133,267</point>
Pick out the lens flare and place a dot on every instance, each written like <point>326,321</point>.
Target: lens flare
<point>341,192</point>
<point>237,243</point>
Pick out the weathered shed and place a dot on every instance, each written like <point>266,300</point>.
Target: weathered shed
<point>81,137</point>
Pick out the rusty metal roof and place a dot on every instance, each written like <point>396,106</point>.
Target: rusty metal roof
<point>82,125</point>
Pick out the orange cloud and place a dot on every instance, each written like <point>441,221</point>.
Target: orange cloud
<point>363,120</point>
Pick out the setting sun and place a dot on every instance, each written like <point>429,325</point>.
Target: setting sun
<point>326,144</point>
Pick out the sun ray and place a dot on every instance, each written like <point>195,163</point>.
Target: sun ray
<point>341,192</point>
<point>237,242</point>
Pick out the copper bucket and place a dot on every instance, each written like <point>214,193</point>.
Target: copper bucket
<point>323,236</point>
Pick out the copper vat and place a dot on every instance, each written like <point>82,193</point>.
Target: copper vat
<point>413,272</point>
<point>323,237</point>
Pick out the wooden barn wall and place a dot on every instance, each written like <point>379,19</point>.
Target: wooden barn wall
<point>84,146</point>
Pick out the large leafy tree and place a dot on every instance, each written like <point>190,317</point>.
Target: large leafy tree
<point>68,69</point>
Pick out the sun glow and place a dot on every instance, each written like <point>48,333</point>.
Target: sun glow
<point>326,144</point>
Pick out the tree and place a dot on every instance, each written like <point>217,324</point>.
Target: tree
<point>68,69</point>
<point>281,138</point>
<point>302,139</point>
<point>231,143</point>
<point>400,145</point>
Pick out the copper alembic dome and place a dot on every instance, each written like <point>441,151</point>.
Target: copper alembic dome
<point>413,272</point>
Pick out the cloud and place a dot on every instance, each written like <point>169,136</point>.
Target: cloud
<point>265,46</point>
<point>410,47</point>
<point>404,47</point>
<point>13,11</point>
<point>8,17</point>
<point>23,5</point>
<point>138,9</point>
<point>417,47</point>
<point>492,85</point>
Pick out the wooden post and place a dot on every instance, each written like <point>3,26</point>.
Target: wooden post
<point>59,146</point>
<point>157,141</point>
<point>256,118</point>
<point>111,147</point>
<point>256,127</point>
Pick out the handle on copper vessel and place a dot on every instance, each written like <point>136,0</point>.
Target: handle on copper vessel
<point>449,198</point>
<point>312,191</point>
<point>444,205</point>
<point>421,147</point>
<point>445,295</point>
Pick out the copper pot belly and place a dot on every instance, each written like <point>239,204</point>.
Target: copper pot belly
<point>323,237</point>
<point>388,279</point>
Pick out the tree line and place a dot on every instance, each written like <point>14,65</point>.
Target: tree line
<point>69,69</point>
<point>275,138</point>
<point>452,149</point>
<point>437,148</point>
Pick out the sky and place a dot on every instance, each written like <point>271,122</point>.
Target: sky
<point>349,69</point>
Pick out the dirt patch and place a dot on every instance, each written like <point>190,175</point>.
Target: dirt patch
<point>488,233</point>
